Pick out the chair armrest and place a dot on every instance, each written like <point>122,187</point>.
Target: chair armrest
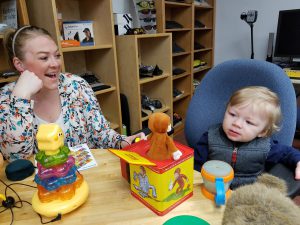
<point>288,176</point>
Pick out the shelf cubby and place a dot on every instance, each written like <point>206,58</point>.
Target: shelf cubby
<point>147,49</point>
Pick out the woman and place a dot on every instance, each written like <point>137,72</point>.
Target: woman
<point>43,94</point>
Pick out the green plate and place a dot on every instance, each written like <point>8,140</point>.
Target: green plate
<point>186,220</point>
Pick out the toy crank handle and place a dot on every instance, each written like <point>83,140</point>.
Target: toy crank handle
<point>220,189</point>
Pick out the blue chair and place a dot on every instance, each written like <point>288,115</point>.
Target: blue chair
<point>208,104</point>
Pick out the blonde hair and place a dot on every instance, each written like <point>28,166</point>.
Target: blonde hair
<point>263,100</point>
<point>14,40</point>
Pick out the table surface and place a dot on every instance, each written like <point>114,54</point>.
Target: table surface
<point>110,201</point>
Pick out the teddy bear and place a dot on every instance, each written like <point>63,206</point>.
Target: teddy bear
<point>263,202</point>
<point>162,146</point>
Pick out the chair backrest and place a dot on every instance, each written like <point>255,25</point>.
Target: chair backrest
<point>208,104</point>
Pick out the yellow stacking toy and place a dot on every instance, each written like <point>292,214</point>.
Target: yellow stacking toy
<point>217,176</point>
<point>61,189</point>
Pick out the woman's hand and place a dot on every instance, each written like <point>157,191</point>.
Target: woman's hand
<point>128,140</point>
<point>27,85</point>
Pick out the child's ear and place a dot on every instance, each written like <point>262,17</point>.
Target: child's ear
<point>263,133</point>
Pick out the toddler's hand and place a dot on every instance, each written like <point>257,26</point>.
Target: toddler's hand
<point>297,171</point>
<point>27,85</point>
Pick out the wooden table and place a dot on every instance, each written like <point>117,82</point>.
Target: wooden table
<point>110,201</point>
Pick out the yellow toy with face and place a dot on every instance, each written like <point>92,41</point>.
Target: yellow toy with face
<point>50,138</point>
<point>52,152</point>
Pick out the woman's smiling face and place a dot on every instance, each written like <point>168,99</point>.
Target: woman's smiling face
<point>42,57</point>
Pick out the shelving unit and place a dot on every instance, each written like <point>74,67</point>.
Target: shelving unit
<point>205,37</point>
<point>22,20</point>
<point>99,59</point>
<point>186,14</point>
<point>148,49</point>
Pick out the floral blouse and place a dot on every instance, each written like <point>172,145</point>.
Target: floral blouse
<point>82,116</point>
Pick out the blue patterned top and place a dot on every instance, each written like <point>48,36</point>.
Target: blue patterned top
<point>82,117</point>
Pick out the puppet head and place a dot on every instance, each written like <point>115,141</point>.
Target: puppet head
<point>159,122</point>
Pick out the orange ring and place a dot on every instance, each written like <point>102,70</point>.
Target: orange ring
<point>211,196</point>
<point>212,178</point>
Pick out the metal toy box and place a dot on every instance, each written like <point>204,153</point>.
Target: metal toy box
<point>164,186</point>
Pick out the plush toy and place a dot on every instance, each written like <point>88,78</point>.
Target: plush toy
<point>263,202</point>
<point>162,146</point>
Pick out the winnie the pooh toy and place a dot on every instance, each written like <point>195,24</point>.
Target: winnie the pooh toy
<point>263,202</point>
<point>162,146</point>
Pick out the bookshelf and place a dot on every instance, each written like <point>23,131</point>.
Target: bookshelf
<point>147,49</point>
<point>187,14</point>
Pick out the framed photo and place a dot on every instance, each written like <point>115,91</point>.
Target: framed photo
<point>78,33</point>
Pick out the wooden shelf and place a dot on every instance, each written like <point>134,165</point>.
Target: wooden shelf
<point>186,15</point>
<point>163,109</point>
<point>184,95</point>
<point>152,49</point>
<point>178,30</point>
<point>146,80</point>
<point>8,79</point>
<point>176,4</point>
<point>105,91</point>
<point>203,28</point>
<point>86,48</point>
<point>201,7</point>
<point>180,54</point>
<point>179,127</point>
<point>175,77</point>
<point>202,68</point>
<point>202,50</point>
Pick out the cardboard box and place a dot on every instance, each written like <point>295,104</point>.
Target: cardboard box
<point>78,33</point>
<point>121,18</point>
<point>162,187</point>
<point>122,23</point>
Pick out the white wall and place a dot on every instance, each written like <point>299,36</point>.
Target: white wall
<point>232,35</point>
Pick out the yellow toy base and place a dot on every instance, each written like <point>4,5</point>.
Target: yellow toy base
<point>51,209</point>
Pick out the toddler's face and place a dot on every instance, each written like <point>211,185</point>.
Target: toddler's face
<point>242,124</point>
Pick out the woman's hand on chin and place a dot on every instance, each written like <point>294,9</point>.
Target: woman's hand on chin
<point>27,85</point>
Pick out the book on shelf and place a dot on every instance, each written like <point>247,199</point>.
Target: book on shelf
<point>78,33</point>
